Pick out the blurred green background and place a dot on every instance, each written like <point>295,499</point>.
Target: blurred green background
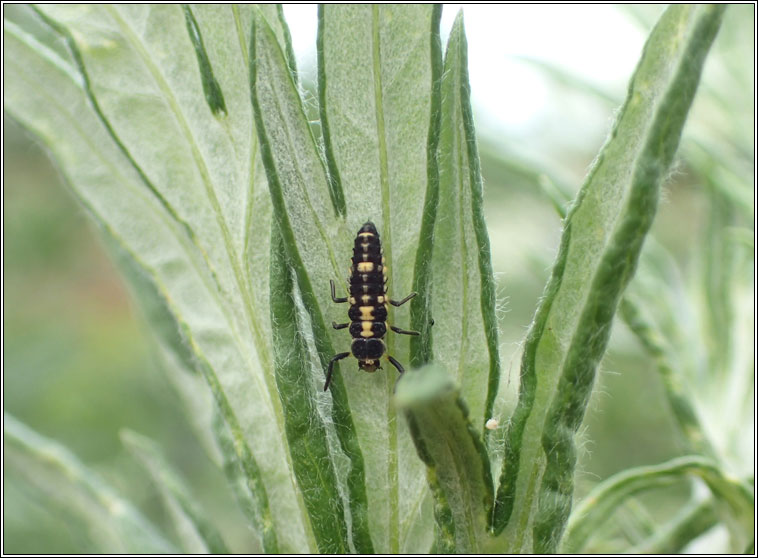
<point>78,366</point>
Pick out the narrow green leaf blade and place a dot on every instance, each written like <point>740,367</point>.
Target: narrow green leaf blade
<point>114,523</point>
<point>297,181</point>
<point>306,433</point>
<point>458,468</point>
<point>303,214</point>
<point>679,403</point>
<point>377,67</point>
<point>213,94</point>
<point>463,299</point>
<point>602,238</point>
<point>691,522</point>
<point>244,477</point>
<point>421,310</point>
<point>201,405</point>
<point>195,531</point>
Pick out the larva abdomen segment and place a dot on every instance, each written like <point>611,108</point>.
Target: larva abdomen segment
<point>366,328</point>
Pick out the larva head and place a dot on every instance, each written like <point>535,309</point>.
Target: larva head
<point>368,365</point>
<point>368,227</point>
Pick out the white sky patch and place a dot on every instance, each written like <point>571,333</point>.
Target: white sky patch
<point>595,42</point>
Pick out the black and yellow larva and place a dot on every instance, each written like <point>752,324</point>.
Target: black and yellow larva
<point>368,305</point>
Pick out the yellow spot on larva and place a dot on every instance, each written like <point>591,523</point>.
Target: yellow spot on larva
<point>351,300</point>
<point>366,299</point>
<point>366,234</point>
<point>367,313</point>
<point>365,266</point>
<point>367,329</point>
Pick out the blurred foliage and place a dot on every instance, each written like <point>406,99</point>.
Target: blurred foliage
<point>78,366</point>
<point>77,363</point>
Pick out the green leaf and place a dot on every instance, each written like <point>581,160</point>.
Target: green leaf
<point>306,432</point>
<point>173,202</point>
<point>464,287</point>
<point>244,480</point>
<point>603,234</point>
<point>213,94</point>
<point>171,348</point>
<point>134,119</point>
<point>605,498</point>
<point>113,523</point>
<point>678,399</point>
<point>187,379</point>
<point>301,202</point>
<point>689,524</point>
<point>701,377</point>
<point>421,311</point>
<point>195,531</point>
<point>458,469</point>
<point>384,181</point>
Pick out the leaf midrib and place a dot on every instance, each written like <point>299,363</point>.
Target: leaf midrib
<point>392,465</point>
<point>463,249</point>
<point>253,138</point>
